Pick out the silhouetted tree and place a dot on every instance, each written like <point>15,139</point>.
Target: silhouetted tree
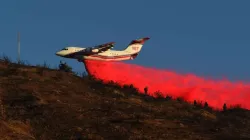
<point>158,95</point>
<point>168,97</point>
<point>131,86</point>
<point>224,107</point>
<point>180,99</point>
<point>195,103</point>
<point>146,90</point>
<point>206,105</point>
<point>84,74</point>
<point>64,67</point>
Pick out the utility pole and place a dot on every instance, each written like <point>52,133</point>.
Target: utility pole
<point>18,46</point>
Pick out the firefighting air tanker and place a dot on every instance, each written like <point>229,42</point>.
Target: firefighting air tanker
<point>103,52</point>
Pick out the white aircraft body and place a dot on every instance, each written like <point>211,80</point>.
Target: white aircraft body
<point>103,52</point>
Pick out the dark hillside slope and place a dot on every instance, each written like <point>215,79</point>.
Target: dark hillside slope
<point>40,103</point>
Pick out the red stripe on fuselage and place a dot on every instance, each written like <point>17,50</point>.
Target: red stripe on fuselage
<point>112,57</point>
<point>102,57</point>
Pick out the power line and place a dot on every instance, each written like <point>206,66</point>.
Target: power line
<point>18,46</point>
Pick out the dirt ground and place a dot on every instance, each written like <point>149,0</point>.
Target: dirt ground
<point>43,104</point>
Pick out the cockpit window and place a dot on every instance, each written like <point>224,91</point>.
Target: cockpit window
<point>65,49</point>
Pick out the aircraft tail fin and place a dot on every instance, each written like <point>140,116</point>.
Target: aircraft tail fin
<point>136,45</point>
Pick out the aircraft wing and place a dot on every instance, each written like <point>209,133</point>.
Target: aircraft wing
<point>96,49</point>
<point>103,47</point>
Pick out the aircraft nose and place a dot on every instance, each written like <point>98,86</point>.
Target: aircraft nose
<point>58,53</point>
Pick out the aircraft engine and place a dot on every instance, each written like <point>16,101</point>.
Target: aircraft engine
<point>95,50</point>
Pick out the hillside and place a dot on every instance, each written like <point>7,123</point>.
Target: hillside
<point>43,104</point>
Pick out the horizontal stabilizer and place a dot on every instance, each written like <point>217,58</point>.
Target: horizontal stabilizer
<point>139,41</point>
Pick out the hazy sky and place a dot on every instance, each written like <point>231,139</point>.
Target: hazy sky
<point>210,38</point>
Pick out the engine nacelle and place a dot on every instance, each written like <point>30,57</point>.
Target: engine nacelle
<point>95,50</point>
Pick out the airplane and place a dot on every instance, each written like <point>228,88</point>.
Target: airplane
<point>103,52</point>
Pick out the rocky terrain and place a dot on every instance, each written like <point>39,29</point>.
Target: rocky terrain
<point>48,104</point>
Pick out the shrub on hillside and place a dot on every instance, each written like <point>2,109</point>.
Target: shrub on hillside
<point>65,67</point>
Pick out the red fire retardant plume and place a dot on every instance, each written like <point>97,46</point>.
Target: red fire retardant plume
<point>187,86</point>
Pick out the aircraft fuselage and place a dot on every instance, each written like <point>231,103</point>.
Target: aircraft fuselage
<point>103,52</point>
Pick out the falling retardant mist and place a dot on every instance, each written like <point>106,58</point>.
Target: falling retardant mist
<point>187,86</point>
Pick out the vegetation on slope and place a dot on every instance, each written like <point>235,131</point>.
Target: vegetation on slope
<point>37,102</point>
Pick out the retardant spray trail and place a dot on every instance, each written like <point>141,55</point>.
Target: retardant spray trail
<point>189,86</point>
